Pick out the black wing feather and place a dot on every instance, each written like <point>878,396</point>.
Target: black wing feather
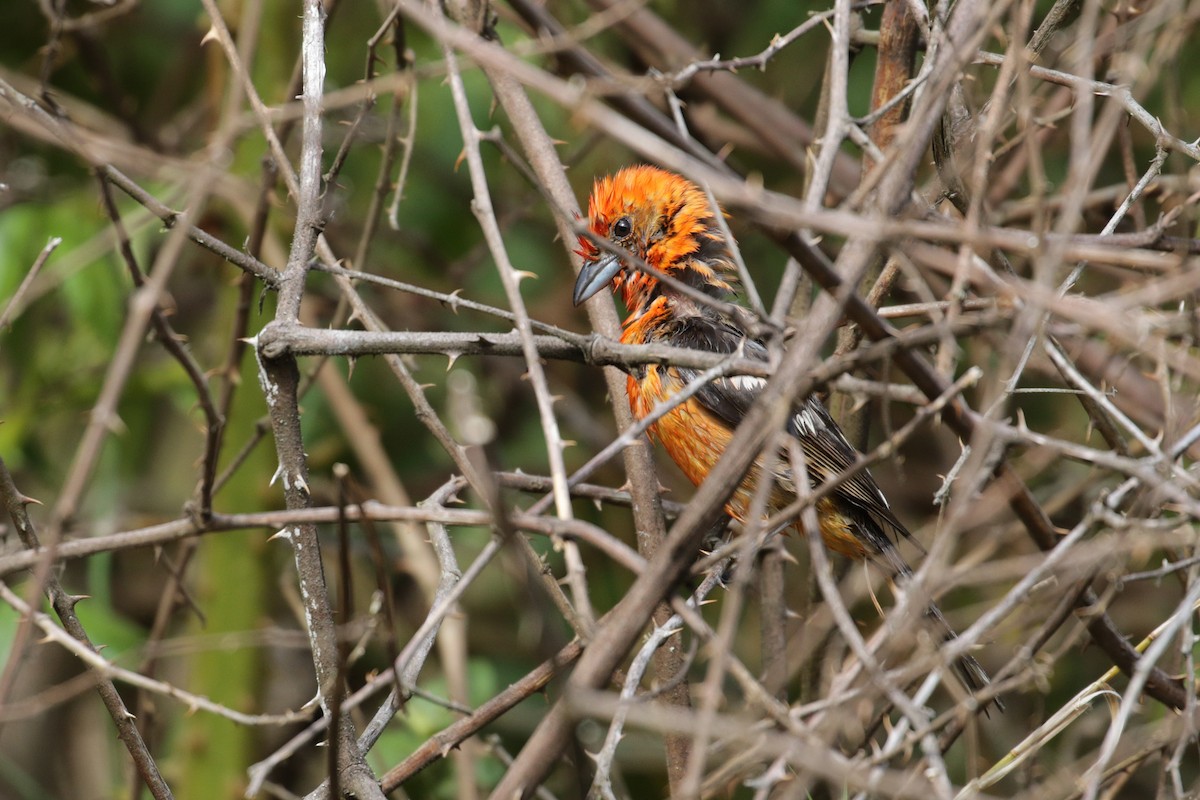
<point>828,454</point>
<point>826,449</point>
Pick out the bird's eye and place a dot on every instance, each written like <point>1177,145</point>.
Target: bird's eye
<point>622,228</point>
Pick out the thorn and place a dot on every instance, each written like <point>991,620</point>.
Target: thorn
<point>523,274</point>
<point>351,361</point>
<point>301,485</point>
<point>453,299</point>
<point>26,500</point>
<point>568,443</point>
<point>276,476</point>
<point>451,356</point>
<point>284,533</point>
<point>210,36</point>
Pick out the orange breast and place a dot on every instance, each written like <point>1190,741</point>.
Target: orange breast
<point>695,439</point>
<point>692,436</point>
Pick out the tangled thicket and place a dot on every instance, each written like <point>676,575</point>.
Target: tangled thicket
<point>300,421</point>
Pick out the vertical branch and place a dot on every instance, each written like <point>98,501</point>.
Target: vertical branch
<point>669,662</point>
<point>774,611</point>
<point>837,113</point>
<point>899,39</point>
<point>309,222</point>
<point>485,214</point>
<point>539,148</point>
<point>280,379</point>
<point>899,36</point>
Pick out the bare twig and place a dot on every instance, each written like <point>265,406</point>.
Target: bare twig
<point>16,504</point>
<point>14,302</point>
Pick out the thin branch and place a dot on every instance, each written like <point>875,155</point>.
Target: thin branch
<point>14,302</point>
<point>106,670</point>
<point>510,279</point>
<point>16,504</point>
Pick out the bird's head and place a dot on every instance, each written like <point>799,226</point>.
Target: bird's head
<point>664,220</point>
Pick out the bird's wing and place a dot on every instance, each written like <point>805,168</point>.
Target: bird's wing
<point>826,450</point>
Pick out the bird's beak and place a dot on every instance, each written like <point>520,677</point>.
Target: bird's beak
<point>595,275</point>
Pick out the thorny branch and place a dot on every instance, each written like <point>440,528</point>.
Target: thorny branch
<point>16,505</point>
<point>1093,302</point>
<point>279,378</point>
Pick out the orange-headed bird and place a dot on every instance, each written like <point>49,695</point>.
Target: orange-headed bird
<point>667,222</point>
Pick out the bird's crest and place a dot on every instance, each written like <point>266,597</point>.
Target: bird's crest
<point>668,222</point>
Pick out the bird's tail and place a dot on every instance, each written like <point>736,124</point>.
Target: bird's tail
<point>970,672</point>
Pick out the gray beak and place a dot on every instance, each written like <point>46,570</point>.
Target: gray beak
<point>595,275</point>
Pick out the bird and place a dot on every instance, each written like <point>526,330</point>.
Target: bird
<point>655,218</point>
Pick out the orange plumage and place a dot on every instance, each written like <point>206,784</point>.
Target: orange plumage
<point>666,222</point>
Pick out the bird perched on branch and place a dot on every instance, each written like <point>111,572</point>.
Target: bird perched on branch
<point>667,223</point>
